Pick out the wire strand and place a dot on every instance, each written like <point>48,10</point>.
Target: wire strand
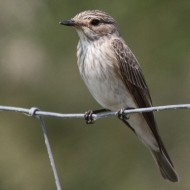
<point>95,116</point>
<point>52,162</point>
<point>35,112</point>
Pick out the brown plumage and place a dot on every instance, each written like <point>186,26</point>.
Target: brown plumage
<point>115,79</point>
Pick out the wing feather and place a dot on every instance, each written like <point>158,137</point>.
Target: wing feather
<point>131,73</point>
<point>134,80</point>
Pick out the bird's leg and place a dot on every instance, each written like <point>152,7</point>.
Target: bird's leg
<point>122,115</point>
<point>88,115</point>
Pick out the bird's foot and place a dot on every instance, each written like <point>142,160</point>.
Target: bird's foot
<point>88,117</point>
<point>122,115</point>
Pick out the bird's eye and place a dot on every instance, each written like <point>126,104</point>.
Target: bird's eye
<point>95,22</point>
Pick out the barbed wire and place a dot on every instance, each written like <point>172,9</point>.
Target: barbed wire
<point>37,113</point>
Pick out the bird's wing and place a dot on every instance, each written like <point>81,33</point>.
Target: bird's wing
<point>134,80</point>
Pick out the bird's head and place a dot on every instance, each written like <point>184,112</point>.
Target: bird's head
<point>92,25</point>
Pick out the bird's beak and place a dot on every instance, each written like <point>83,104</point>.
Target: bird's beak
<point>67,22</point>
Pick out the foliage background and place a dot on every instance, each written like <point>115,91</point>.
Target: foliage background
<point>38,68</point>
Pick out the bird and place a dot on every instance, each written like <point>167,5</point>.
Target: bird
<point>115,79</point>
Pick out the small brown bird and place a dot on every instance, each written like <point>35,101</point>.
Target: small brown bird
<point>114,77</point>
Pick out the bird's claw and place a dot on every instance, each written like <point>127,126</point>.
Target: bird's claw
<point>122,115</point>
<point>88,117</point>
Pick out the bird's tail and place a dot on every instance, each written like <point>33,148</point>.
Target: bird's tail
<point>165,165</point>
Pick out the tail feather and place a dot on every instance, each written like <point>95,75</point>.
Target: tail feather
<point>158,151</point>
<point>165,165</point>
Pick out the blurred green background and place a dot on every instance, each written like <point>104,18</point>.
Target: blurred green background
<point>38,68</point>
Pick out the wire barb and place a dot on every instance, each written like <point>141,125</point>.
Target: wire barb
<point>32,111</point>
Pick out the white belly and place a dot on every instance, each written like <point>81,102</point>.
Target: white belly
<point>103,82</point>
<point>110,93</point>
